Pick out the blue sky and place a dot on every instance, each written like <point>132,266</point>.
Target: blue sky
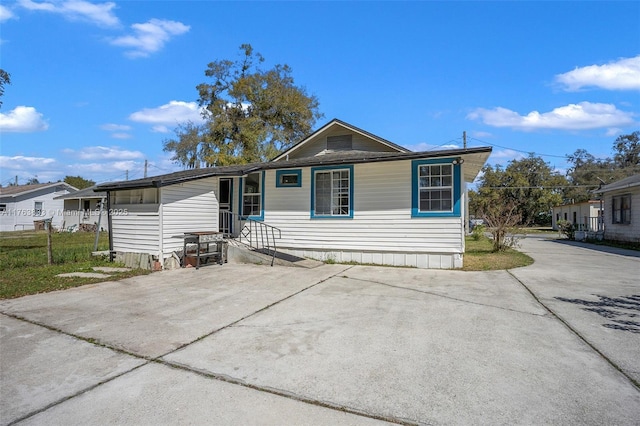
<point>96,87</point>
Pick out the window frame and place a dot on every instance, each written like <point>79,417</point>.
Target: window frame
<point>38,211</point>
<point>325,169</point>
<point>242,193</point>
<point>624,214</point>
<point>280,174</point>
<point>455,190</point>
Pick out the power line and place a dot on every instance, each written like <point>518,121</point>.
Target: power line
<point>541,187</point>
<point>520,150</point>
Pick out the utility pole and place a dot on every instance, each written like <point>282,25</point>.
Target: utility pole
<point>127,175</point>
<point>145,168</point>
<point>464,139</point>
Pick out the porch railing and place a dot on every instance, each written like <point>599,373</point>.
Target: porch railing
<point>257,235</point>
<point>591,224</point>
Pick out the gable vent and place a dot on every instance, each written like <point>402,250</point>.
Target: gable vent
<point>339,143</point>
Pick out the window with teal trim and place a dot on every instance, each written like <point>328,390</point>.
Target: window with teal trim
<point>435,188</point>
<point>332,192</point>
<point>252,195</point>
<point>288,178</point>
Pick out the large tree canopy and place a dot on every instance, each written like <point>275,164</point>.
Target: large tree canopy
<point>251,114</point>
<point>587,172</point>
<point>526,189</point>
<point>5,78</point>
<point>78,182</point>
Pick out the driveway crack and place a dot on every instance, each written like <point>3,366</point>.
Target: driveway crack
<point>576,332</point>
<point>431,293</point>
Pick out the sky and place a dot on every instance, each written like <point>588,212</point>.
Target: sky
<point>96,87</point>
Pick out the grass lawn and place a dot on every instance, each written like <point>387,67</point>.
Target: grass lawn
<point>478,257</point>
<point>23,262</point>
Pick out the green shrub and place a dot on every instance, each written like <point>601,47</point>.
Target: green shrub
<point>478,232</point>
<point>567,229</point>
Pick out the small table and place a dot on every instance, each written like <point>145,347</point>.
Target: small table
<point>208,244</point>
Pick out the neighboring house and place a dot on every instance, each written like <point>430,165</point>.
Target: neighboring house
<point>85,209</point>
<point>23,205</point>
<point>621,202</point>
<point>585,216</point>
<point>341,194</point>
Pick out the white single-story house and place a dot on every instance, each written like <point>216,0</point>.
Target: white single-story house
<point>585,216</point>
<point>621,202</point>
<point>21,206</point>
<point>341,194</point>
<point>85,209</point>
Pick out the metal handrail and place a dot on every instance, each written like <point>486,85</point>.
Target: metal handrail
<point>258,235</point>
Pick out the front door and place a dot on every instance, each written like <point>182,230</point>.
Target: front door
<point>225,192</point>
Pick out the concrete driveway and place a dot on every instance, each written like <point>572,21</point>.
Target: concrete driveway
<point>557,342</point>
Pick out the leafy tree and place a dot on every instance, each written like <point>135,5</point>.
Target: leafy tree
<point>627,150</point>
<point>78,182</point>
<point>526,189</point>
<point>588,172</point>
<point>33,181</point>
<point>491,203</point>
<point>251,114</point>
<point>5,78</point>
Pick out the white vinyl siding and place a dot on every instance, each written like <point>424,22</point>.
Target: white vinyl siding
<point>136,224</point>
<point>358,142</point>
<point>136,232</point>
<point>188,207</point>
<point>381,223</point>
<point>158,228</point>
<point>622,231</point>
<point>18,214</point>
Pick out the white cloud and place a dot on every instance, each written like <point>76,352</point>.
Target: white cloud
<point>480,134</point>
<point>150,37</point>
<point>100,14</point>
<point>582,116</point>
<point>118,131</point>
<point>171,114</point>
<point>508,154</point>
<point>5,14</point>
<point>105,153</point>
<point>118,135</point>
<point>160,129</point>
<point>110,167</point>
<point>623,74</point>
<point>22,119</point>
<point>424,146</point>
<point>19,162</point>
<point>110,127</point>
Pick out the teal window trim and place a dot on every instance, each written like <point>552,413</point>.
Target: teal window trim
<point>281,173</point>
<point>415,191</point>
<point>241,199</point>
<point>313,192</point>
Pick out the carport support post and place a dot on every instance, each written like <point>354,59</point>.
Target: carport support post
<point>110,225</point>
<point>49,247</point>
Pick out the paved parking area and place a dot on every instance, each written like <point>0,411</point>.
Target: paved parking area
<point>557,342</point>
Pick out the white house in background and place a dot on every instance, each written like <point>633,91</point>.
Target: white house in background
<point>342,194</point>
<point>22,205</point>
<point>84,209</point>
<point>586,216</point>
<point>621,202</point>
